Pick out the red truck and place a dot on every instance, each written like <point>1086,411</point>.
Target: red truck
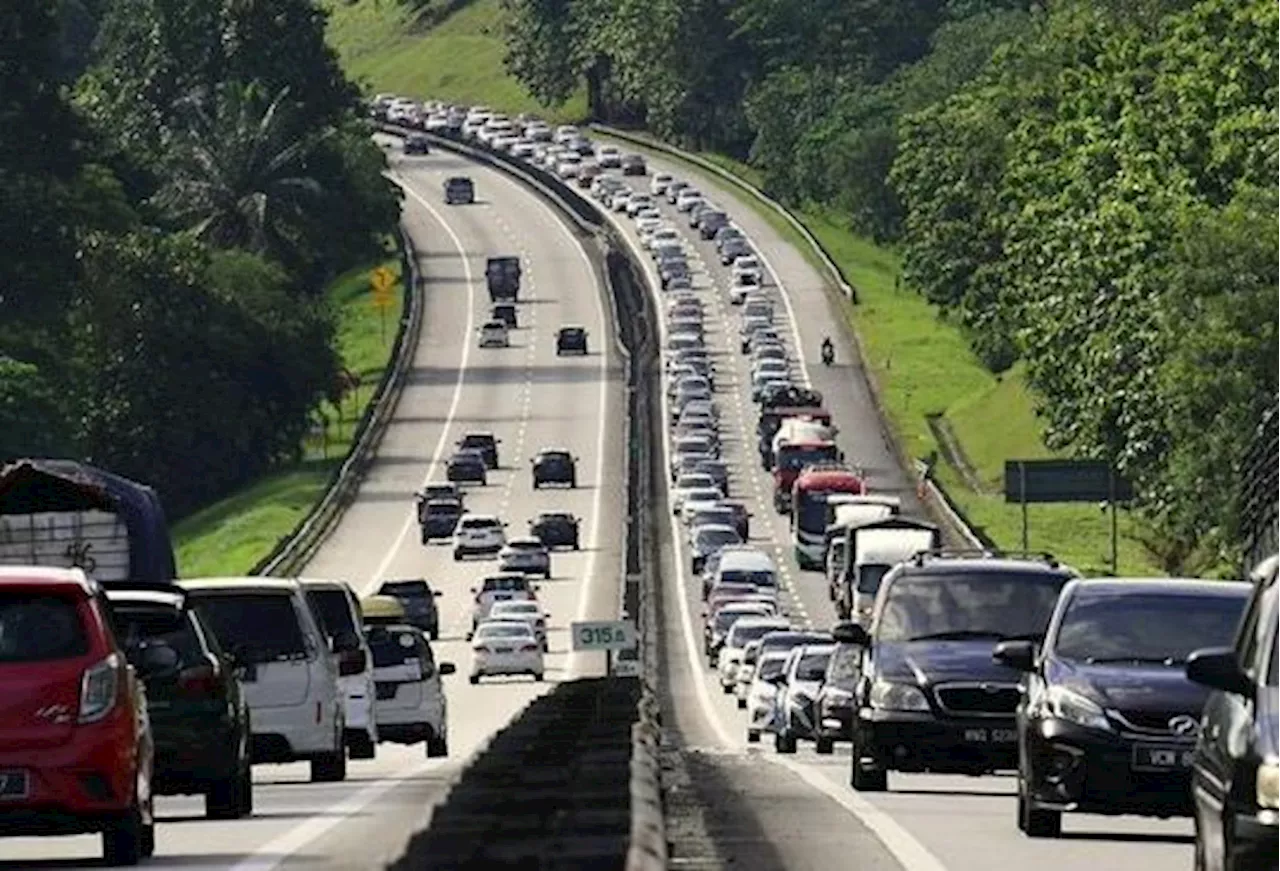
<point>791,459</point>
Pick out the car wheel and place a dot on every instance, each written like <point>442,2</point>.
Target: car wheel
<point>457,554</point>
<point>865,775</point>
<point>225,799</point>
<point>784,742</point>
<point>435,633</point>
<point>576,545</point>
<point>573,482</point>
<point>538,676</point>
<point>824,746</point>
<point>753,736</point>
<point>122,842</point>
<point>329,767</point>
<point>536,483</point>
<point>1033,821</point>
<point>475,679</point>
<point>361,746</point>
<point>726,688</point>
<point>742,704</point>
<point>437,747</point>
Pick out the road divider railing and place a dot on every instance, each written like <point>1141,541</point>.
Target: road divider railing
<point>292,552</point>
<point>932,495</point>
<point>633,310</point>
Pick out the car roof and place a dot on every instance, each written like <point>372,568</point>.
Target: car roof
<point>147,597</point>
<point>980,564</point>
<point>478,516</point>
<point>478,433</point>
<point>278,586</point>
<point>746,560</point>
<point>50,576</point>
<point>715,527</point>
<point>1138,586</point>
<point>325,584</point>
<point>524,540</point>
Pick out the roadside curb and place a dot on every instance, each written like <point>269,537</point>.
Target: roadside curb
<point>293,551</point>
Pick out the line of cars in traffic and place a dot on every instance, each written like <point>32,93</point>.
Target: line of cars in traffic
<point>1103,695</point>
<point>115,693</point>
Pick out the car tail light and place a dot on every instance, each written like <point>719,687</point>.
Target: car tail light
<point>99,689</point>
<point>351,662</point>
<point>202,680</point>
<point>528,648</point>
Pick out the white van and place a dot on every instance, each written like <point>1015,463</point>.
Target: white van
<point>411,706</point>
<point>338,610</point>
<point>877,548</point>
<point>747,566</point>
<point>286,667</point>
<point>850,511</point>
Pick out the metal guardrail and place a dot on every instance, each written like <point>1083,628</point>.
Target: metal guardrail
<point>292,552</point>
<point>834,274</point>
<point>631,301</point>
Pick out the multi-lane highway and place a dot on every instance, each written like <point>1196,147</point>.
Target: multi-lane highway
<point>800,812</point>
<point>530,399</point>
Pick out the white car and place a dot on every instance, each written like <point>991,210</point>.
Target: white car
<point>478,533</point>
<point>494,334</point>
<point>522,150</point>
<point>502,647</point>
<point>764,369</point>
<point>658,184</point>
<point>566,133</point>
<point>609,156</point>
<point>687,199</point>
<point>637,203</point>
<point>748,265</point>
<point>529,611</point>
<point>338,610</point>
<point>296,708</point>
<point>645,227</point>
<point>699,499</point>
<point>505,587</point>
<point>762,693</point>
<point>688,484</point>
<point>647,212</point>
<point>568,165</point>
<point>744,631</point>
<point>527,555</point>
<point>664,236</point>
<point>618,202</point>
<point>411,706</point>
<point>538,131</point>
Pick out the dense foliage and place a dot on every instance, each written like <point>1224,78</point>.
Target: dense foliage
<point>1086,185</point>
<point>181,178</point>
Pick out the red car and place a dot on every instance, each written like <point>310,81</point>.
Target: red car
<point>75,741</point>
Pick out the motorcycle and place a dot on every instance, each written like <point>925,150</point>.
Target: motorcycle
<point>828,354</point>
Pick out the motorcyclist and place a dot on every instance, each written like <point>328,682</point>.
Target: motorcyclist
<point>828,350</point>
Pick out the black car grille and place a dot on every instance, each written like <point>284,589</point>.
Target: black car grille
<point>996,700</point>
<point>1154,721</point>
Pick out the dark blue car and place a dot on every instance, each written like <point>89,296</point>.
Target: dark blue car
<point>1109,719</point>
<point>931,698</point>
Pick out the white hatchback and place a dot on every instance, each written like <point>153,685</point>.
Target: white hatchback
<point>411,705</point>
<point>529,611</point>
<point>503,647</point>
<point>494,335</point>
<point>478,533</point>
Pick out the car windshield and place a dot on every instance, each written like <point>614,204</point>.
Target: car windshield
<point>794,459</point>
<point>40,628</point>
<point>135,623</point>
<point>1145,626</point>
<point>730,614</point>
<point>503,630</point>
<point>743,633</point>
<point>554,518</point>
<point>812,666</point>
<point>771,667</point>
<point>756,578</point>
<point>477,441</point>
<point>492,585</point>
<point>405,589</point>
<point>844,663</point>
<point>958,606</point>
<point>333,609</point>
<point>263,627</point>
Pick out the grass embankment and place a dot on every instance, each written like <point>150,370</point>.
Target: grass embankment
<point>232,535</point>
<point>389,47</point>
<point>926,370</point>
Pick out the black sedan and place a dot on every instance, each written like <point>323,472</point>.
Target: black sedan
<point>468,467</point>
<point>437,518</point>
<point>556,529</point>
<point>554,466</point>
<point>506,312</point>
<point>1108,720</point>
<point>416,143</point>
<point>633,164</point>
<point>571,340</point>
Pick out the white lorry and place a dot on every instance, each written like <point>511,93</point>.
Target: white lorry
<point>876,548</point>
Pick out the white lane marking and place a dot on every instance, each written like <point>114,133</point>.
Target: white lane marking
<point>411,516</point>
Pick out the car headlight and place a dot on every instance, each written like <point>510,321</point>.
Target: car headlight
<point>836,698</point>
<point>1268,780</point>
<point>1068,705</point>
<point>890,696</point>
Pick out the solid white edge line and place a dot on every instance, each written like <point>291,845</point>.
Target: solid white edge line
<point>905,848</point>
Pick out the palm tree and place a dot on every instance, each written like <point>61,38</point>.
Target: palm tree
<point>240,174</point>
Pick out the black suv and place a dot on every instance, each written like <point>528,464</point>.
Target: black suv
<point>930,696</point>
<point>1234,769</point>
<point>199,718</point>
<point>419,603</point>
<point>485,443</point>
<point>438,518</point>
<point>416,143</point>
<point>835,699</point>
<point>632,164</point>
<point>556,529</point>
<point>571,340</point>
<point>1108,719</point>
<point>554,466</point>
<point>467,467</point>
<point>506,312</point>
<point>459,189</point>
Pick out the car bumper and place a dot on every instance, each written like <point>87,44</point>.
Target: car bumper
<point>910,741</point>
<point>1077,769</point>
<point>508,663</point>
<point>529,567</point>
<point>78,786</point>
<point>477,548</point>
<point>288,733</point>
<point>188,760</point>
<point>836,723</point>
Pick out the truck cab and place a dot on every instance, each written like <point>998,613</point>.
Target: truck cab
<point>502,275</point>
<point>875,548</point>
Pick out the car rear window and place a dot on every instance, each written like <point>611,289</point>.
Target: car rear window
<point>392,648</point>
<point>479,523</point>
<point>503,630</point>
<point>333,609</point>
<point>137,623</point>
<point>262,627</point>
<point>405,588</point>
<point>505,584</point>
<point>744,633</point>
<point>754,578</point>
<point>772,666</point>
<point>40,628</point>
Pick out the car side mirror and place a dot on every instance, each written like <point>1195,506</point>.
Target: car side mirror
<point>1018,655</point>
<point>437,593</point>
<point>1218,668</point>
<point>851,633</point>
<point>472,589</point>
<point>446,668</point>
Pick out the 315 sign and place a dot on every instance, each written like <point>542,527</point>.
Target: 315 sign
<point>603,635</point>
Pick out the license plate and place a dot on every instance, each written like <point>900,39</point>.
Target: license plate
<point>502,597</point>
<point>991,736</point>
<point>13,784</point>
<point>502,650</point>
<point>1155,757</point>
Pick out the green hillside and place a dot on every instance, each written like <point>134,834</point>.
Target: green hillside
<point>449,51</point>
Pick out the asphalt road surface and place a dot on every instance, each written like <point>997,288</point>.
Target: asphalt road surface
<point>530,399</point>
<point>801,812</point>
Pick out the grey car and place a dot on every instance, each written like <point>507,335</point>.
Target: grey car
<point>706,540</point>
<point>527,555</point>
